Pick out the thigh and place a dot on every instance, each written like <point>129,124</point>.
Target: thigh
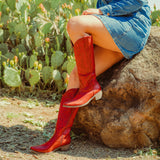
<point>104,59</point>
<point>88,24</point>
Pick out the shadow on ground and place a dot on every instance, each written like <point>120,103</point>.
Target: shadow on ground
<point>19,138</point>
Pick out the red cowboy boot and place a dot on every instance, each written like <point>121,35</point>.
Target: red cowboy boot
<point>89,87</point>
<point>61,138</point>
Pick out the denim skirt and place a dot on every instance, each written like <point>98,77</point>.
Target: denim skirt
<point>129,33</point>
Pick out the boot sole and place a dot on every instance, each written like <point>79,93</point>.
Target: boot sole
<point>61,148</point>
<point>97,96</point>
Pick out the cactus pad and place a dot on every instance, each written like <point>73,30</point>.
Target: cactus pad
<point>71,64</point>
<point>1,35</point>
<point>32,76</point>
<point>47,28</point>
<point>21,30</point>
<point>3,48</point>
<point>32,59</point>
<point>56,75</point>
<point>57,59</point>
<point>11,4</point>
<point>12,77</point>
<point>64,66</point>
<point>20,47</point>
<point>47,74</point>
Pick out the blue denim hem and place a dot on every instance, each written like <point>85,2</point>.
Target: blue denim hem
<point>126,54</point>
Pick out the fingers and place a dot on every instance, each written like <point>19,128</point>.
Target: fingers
<point>91,11</point>
<point>86,12</point>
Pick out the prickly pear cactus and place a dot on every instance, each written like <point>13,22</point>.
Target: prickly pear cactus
<point>11,27</point>
<point>46,28</point>
<point>33,76</point>
<point>57,59</point>
<point>58,80</point>
<point>34,28</point>
<point>32,59</point>
<point>71,64</point>
<point>56,75</point>
<point>51,4</point>
<point>20,5</point>
<point>11,4</point>
<point>8,55</point>
<point>64,66</point>
<point>5,19</point>
<point>38,39</point>
<point>47,74</point>
<point>1,35</point>
<point>37,2</point>
<point>20,48</point>
<point>24,27</point>
<point>69,47</point>
<point>154,15</point>
<point>3,48</point>
<point>21,30</point>
<point>59,85</point>
<point>12,77</point>
<point>64,75</point>
<point>27,74</point>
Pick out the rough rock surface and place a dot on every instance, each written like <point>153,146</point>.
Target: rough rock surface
<point>128,115</point>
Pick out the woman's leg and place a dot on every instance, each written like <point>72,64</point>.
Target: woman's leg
<point>106,51</point>
<point>104,59</point>
<point>81,26</point>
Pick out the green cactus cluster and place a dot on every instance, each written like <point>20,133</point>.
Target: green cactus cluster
<point>35,48</point>
<point>32,76</point>
<point>155,18</point>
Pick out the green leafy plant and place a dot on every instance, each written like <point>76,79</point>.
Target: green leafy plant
<point>35,32</point>
<point>47,74</point>
<point>155,17</point>
<point>57,59</point>
<point>12,77</point>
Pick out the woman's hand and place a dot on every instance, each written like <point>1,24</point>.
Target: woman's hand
<point>92,11</point>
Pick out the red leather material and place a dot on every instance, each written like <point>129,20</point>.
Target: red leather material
<point>65,119</point>
<point>84,55</point>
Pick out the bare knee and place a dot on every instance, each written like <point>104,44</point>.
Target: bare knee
<point>71,25</point>
<point>76,28</point>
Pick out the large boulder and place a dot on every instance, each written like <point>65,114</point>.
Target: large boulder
<point>128,115</point>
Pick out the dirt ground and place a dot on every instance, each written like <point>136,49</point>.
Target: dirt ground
<point>30,121</point>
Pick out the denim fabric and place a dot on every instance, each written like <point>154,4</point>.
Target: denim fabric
<point>128,23</point>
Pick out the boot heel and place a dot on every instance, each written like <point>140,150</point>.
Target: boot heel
<point>65,148</point>
<point>98,95</point>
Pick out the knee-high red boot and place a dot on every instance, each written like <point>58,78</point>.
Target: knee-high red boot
<point>89,87</point>
<point>61,138</point>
